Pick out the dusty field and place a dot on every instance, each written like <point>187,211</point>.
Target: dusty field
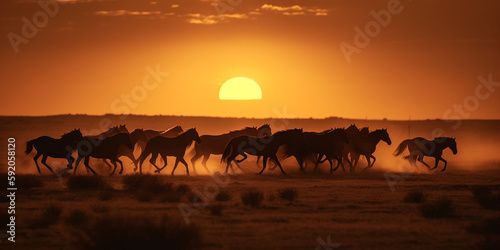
<point>354,210</point>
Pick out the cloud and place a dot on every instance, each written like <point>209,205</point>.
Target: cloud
<point>213,19</point>
<point>125,12</point>
<point>295,10</point>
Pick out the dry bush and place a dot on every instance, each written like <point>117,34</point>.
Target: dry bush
<point>106,195</point>
<point>183,189</point>
<point>141,232</point>
<point>440,208</point>
<point>415,196</point>
<point>101,208</point>
<point>147,182</point>
<point>144,196</point>
<point>252,198</point>
<point>289,194</point>
<point>223,196</point>
<point>86,182</point>
<point>490,230</point>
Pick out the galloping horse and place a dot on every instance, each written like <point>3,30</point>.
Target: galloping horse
<point>330,143</point>
<point>420,147</point>
<point>102,149</point>
<point>366,145</point>
<point>215,144</point>
<point>55,148</point>
<point>169,147</point>
<point>169,133</point>
<point>267,147</point>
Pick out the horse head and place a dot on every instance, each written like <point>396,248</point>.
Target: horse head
<point>193,134</point>
<point>123,128</point>
<point>384,136</point>
<point>452,144</point>
<point>264,130</point>
<point>127,140</point>
<point>138,135</point>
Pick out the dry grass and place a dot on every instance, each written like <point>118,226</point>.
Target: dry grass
<point>147,183</point>
<point>288,194</point>
<point>485,197</point>
<point>49,215</point>
<point>440,208</point>
<point>223,196</point>
<point>252,198</point>
<point>76,217</point>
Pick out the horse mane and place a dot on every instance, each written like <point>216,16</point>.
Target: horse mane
<point>64,136</point>
<point>240,130</point>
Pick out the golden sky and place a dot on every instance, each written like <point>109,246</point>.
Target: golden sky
<point>96,57</point>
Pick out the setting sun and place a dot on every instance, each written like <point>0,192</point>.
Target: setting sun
<point>240,88</point>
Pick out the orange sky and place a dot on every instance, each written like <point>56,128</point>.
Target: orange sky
<point>91,54</point>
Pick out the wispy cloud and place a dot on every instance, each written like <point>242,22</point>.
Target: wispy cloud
<point>213,19</point>
<point>295,10</point>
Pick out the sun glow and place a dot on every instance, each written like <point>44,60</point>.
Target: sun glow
<point>240,88</point>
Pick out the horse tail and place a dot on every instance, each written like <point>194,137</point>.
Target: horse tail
<point>402,146</point>
<point>29,146</point>
<point>227,152</point>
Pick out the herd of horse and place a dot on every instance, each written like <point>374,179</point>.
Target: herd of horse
<point>343,145</point>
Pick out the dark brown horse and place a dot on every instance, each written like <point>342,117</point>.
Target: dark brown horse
<point>330,143</point>
<point>215,144</point>
<point>360,144</point>
<point>168,147</point>
<point>149,133</point>
<point>56,148</point>
<point>420,147</point>
<point>102,149</point>
<point>266,147</point>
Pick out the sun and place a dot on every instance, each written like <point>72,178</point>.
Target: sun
<point>240,88</point>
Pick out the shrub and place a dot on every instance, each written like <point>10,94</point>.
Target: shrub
<point>289,194</point>
<point>252,198</point>
<point>415,196</point>
<point>86,182</point>
<point>76,217</point>
<point>126,232</point>
<point>440,208</point>
<point>490,229</point>
<point>105,195</point>
<point>223,196</point>
<point>150,183</point>
<point>183,188</point>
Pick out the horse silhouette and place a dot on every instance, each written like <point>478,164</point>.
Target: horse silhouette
<point>420,147</point>
<point>169,133</point>
<point>215,144</point>
<point>329,143</point>
<point>106,148</point>
<point>360,144</point>
<point>267,147</point>
<point>56,148</point>
<point>264,130</point>
<point>164,147</point>
<point>110,132</point>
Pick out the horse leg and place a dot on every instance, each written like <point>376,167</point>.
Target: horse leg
<point>244,157</point>
<point>264,164</point>
<point>175,166</point>
<point>78,159</point>
<point>421,160</point>
<point>130,154</point>
<point>114,167</point>
<point>44,162</point>
<point>228,163</point>
<point>370,164</point>
<point>86,163</point>
<point>70,161</point>
<point>275,159</point>
<point>38,154</point>
<point>121,166</point>
<point>204,163</point>
<point>194,159</point>
<point>339,162</point>
<point>331,164</point>
<point>107,163</point>
<point>185,164</point>
<point>445,163</point>
<point>152,160</point>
